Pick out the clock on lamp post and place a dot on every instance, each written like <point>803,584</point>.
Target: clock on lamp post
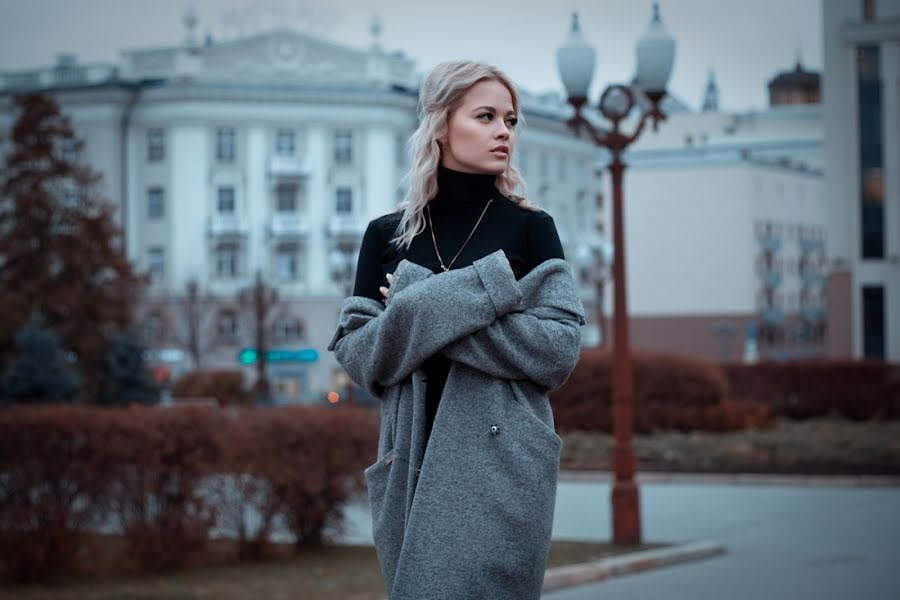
<point>655,58</point>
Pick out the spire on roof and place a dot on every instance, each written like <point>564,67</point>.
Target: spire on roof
<point>375,28</point>
<point>190,25</point>
<point>711,94</point>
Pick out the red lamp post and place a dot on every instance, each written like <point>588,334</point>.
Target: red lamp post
<point>655,56</point>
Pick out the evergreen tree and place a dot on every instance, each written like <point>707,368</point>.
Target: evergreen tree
<point>60,247</point>
<point>126,378</point>
<point>40,372</point>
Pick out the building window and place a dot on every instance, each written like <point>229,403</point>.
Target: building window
<point>344,201</point>
<point>156,145</point>
<point>286,263</point>
<point>227,260</point>
<point>71,197</point>
<point>156,203</point>
<point>544,165</point>
<point>152,329</point>
<point>156,262</point>
<point>523,162</point>
<point>343,147</point>
<point>69,150</point>
<point>873,320</point>
<point>286,197</point>
<point>868,10</point>
<point>289,329</point>
<point>871,158</point>
<point>225,200</point>
<point>561,167</point>
<point>225,144</point>
<point>226,325</point>
<point>284,142</point>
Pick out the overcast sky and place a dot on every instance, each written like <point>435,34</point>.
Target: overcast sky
<point>746,42</point>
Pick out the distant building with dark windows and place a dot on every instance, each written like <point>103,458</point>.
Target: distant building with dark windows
<point>861,93</point>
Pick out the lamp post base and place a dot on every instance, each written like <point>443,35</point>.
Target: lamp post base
<point>626,512</point>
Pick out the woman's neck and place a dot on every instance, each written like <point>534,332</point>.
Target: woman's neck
<point>456,188</point>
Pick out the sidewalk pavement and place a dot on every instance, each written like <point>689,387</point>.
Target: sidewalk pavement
<point>763,536</point>
<point>740,478</point>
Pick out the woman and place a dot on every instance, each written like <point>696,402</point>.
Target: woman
<point>464,315</point>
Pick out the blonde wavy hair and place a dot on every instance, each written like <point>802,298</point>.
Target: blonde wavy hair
<point>440,95</point>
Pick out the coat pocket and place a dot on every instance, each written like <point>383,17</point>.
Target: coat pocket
<point>377,475</point>
<point>535,415</point>
<point>386,501</point>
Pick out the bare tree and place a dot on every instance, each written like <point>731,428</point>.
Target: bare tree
<point>195,310</point>
<point>261,300</point>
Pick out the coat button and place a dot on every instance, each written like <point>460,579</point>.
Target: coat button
<point>418,470</point>
<point>495,429</point>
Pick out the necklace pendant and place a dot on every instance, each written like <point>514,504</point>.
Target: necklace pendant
<point>446,270</point>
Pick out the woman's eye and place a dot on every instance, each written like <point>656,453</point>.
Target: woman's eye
<point>488,115</point>
<point>512,122</point>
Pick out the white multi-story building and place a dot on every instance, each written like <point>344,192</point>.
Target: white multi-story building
<point>268,154</point>
<point>725,229</point>
<point>861,94</point>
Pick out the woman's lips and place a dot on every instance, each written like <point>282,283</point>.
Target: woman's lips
<point>500,153</point>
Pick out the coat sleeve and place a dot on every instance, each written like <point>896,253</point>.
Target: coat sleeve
<point>379,347</point>
<point>540,344</point>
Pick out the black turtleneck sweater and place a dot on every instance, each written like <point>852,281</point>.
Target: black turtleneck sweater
<point>527,237</point>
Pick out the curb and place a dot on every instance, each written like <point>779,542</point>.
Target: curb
<point>599,570</point>
<point>740,478</point>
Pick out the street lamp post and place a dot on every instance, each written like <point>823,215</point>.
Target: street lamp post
<point>655,56</point>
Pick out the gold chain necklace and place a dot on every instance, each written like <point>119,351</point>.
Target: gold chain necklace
<point>430,226</point>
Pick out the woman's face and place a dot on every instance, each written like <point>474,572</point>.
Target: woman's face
<point>480,132</point>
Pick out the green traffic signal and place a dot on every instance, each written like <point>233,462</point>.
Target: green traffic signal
<point>247,356</point>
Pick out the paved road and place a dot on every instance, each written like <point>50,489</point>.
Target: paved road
<point>782,542</point>
<point>788,542</point>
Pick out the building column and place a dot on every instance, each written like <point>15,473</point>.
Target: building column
<point>317,203</point>
<point>258,201</point>
<point>380,189</point>
<point>187,251</point>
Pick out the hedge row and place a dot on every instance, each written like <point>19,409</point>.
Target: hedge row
<point>166,477</point>
<point>671,392</point>
<point>674,392</point>
<point>855,390</point>
<point>226,386</point>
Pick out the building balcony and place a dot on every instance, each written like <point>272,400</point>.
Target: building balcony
<point>227,226</point>
<point>813,315</point>
<point>810,246</point>
<point>811,278</point>
<point>344,227</point>
<point>287,167</point>
<point>289,226</point>
<point>771,279</point>
<point>772,316</point>
<point>773,244</point>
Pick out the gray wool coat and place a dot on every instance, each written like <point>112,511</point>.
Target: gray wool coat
<point>467,515</point>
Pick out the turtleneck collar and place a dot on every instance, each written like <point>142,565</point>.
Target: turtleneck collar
<point>456,188</point>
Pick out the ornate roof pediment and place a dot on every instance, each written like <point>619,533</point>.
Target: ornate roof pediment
<point>284,55</point>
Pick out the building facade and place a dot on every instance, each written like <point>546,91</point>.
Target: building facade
<point>267,156</point>
<point>725,232</point>
<point>861,92</point>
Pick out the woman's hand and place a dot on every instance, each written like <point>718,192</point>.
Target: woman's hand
<point>384,290</point>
